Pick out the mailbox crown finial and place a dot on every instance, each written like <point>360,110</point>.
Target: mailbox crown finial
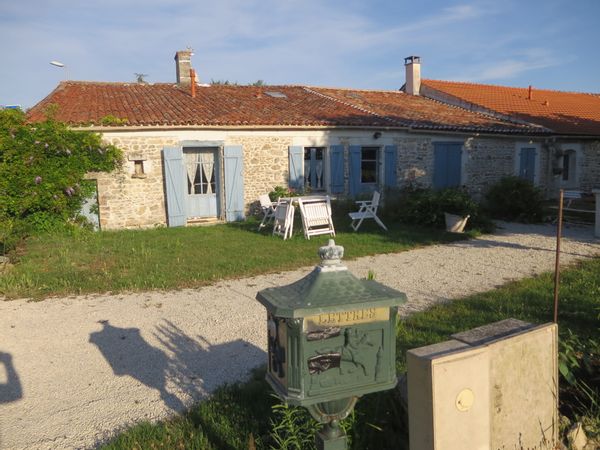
<point>331,254</point>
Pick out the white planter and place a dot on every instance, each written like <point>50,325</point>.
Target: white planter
<point>454,223</point>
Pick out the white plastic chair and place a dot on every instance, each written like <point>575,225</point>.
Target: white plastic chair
<point>367,210</point>
<point>268,210</point>
<point>316,216</point>
<point>284,220</point>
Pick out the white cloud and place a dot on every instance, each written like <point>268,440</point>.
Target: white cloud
<point>512,66</point>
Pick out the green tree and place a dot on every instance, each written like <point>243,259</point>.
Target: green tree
<point>42,170</point>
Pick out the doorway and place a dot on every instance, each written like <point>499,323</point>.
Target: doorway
<point>201,167</point>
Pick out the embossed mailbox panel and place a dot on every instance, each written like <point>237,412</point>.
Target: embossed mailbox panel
<point>331,335</point>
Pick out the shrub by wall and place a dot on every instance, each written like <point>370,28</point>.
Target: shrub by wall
<point>426,207</point>
<point>515,199</point>
<point>42,171</point>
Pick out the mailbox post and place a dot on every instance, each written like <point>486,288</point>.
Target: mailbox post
<point>331,339</point>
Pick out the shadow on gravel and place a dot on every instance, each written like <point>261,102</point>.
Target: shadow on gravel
<point>10,390</point>
<point>191,366</point>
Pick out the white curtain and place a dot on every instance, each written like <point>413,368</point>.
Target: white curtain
<point>191,165</point>
<point>208,162</point>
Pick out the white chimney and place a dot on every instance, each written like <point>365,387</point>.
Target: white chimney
<point>413,75</point>
<point>183,61</point>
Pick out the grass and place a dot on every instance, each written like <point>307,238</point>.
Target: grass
<point>243,413</point>
<point>172,258</point>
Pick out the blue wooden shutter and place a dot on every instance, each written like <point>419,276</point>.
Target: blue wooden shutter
<point>355,159</point>
<point>296,157</point>
<point>175,185</point>
<point>234,183</point>
<point>527,164</point>
<point>390,162</point>
<point>454,164</point>
<point>447,164</point>
<point>336,159</point>
<point>440,161</point>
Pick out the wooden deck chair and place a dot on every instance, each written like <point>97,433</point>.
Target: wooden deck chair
<point>284,220</point>
<point>367,210</point>
<point>316,216</point>
<point>268,210</point>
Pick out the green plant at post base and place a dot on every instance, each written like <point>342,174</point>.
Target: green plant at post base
<point>292,428</point>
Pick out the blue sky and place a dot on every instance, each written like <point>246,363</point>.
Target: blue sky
<point>348,43</point>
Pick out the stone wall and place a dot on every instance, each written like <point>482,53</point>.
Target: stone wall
<point>485,161</point>
<point>127,201</point>
<point>590,176</point>
<point>488,160</point>
<point>415,161</point>
<point>266,165</point>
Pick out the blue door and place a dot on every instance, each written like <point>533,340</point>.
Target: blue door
<point>201,167</point>
<point>447,164</point>
<point>527,164</point>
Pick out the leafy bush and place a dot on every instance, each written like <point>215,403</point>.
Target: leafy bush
<point>516,199</point>
<point>280,191</point>
<point>42,170</point>
<point>579,366</point>
<point>426,207</point>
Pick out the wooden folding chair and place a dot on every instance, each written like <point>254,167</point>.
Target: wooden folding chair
<point>284,219</point>
<point>367,210</point>
<point>268,210</point>
<point>316,216</point>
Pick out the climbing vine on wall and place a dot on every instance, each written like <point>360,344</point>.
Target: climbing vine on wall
<point>42,170</point>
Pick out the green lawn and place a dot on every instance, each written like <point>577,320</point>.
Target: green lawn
<point>239,414</point>
<point>172,258</point>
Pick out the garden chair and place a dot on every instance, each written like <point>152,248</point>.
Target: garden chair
<point>316,216</point>
<point>284,219</point>
<point>367,210</point>
<point>268,210</point>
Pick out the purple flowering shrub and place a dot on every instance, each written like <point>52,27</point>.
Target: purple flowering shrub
<point>42,170</point>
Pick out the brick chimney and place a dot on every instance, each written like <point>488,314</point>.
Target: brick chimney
<point>183,62</point>
<point>413,75</point>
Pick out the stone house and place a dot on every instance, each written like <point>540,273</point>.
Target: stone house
<point>569,158</point>
<point>196,152</point>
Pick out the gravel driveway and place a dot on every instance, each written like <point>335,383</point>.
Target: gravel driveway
<point>73,370</point>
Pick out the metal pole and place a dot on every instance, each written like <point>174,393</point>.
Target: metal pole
<point>557,262</point>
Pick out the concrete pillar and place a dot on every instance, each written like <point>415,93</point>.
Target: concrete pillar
<point>597,221</point>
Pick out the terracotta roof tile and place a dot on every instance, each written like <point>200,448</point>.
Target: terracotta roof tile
<point>422,113</point>
<point>164,104</point>
<point>562,112</point>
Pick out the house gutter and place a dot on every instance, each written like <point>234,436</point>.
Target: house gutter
<point>407,129</point>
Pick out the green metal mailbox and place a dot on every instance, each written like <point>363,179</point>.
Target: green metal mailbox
<point>331,340</point>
